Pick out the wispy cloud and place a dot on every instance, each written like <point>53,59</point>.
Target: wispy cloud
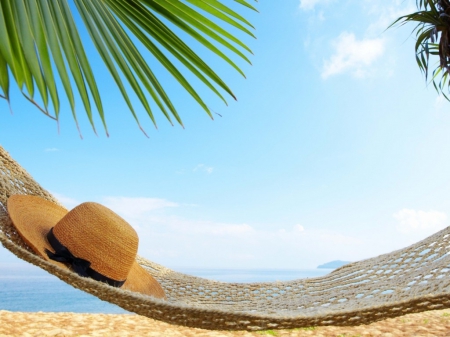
<point>200,227</point>
<point>386,13</point>
<point>439,102</point>
<point>176,240</point>
<point>180,241</point>
<point>68,202</point>
<point>309,4</point>
<point>299,228</point>
<point>361,54</point>
<point>440,107</point>
<point>411,221</point>
<point>203,168</point>
<point>52,149</point>
<point>136,207</point>
<point>352,55</point>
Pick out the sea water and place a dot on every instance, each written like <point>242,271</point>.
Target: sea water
<point>30,289</point>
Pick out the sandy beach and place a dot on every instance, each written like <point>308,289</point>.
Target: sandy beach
<point>432,323</point>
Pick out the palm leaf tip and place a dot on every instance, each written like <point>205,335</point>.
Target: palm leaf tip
<point>432,38</point>
<point>42,52</point>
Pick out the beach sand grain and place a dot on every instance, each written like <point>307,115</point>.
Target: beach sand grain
<point>40,324</point>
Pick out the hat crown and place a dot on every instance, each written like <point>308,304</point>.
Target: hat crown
<point>94,233</point>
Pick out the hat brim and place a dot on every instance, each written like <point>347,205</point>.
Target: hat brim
<point>33,217</point>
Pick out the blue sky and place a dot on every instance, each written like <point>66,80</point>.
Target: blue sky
<point>335,149</point>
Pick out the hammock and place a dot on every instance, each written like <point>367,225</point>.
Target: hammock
<point>410,280</point>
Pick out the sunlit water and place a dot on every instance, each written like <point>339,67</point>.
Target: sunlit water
<point>30,289</point>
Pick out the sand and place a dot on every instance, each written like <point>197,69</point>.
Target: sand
<point>431,323</point>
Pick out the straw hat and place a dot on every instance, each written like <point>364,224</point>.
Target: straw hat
<point>91,240</point>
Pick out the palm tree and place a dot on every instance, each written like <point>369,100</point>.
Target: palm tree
<point>433,37</point>
<point>42,51</point>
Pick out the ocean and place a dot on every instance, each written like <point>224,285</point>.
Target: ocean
<point>30,289</point>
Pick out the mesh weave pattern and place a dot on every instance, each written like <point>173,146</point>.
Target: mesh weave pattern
<point>413,279</point>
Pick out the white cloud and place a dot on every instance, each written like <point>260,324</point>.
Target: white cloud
<point>386,13</point>
<point>321,16</point>
<point>299,228</point>
<point>420,222</point>
<point>126,207</point>
<point>440,102</point>
<point>309,4</point>
<point>352,55</point>
<point>362,56</point>
<point>440,108</point>
<point>204,168</point>
<point>180,225</point>
<point>52,149</point>
<point>135,207</point>
<point>179,241</point>
<point>212,244</point>
<point>229,229</point>
<point>67,202</point>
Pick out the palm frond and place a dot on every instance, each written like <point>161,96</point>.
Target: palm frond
<point>432,38</point>
<point>40,43</point>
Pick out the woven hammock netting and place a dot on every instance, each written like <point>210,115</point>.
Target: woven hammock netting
<point>413,279</point>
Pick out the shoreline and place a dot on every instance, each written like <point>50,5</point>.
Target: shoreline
<point>430,323</point>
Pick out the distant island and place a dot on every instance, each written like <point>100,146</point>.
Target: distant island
<point>333,264</point>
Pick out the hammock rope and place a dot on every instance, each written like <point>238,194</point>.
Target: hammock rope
<point>413,279</point>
